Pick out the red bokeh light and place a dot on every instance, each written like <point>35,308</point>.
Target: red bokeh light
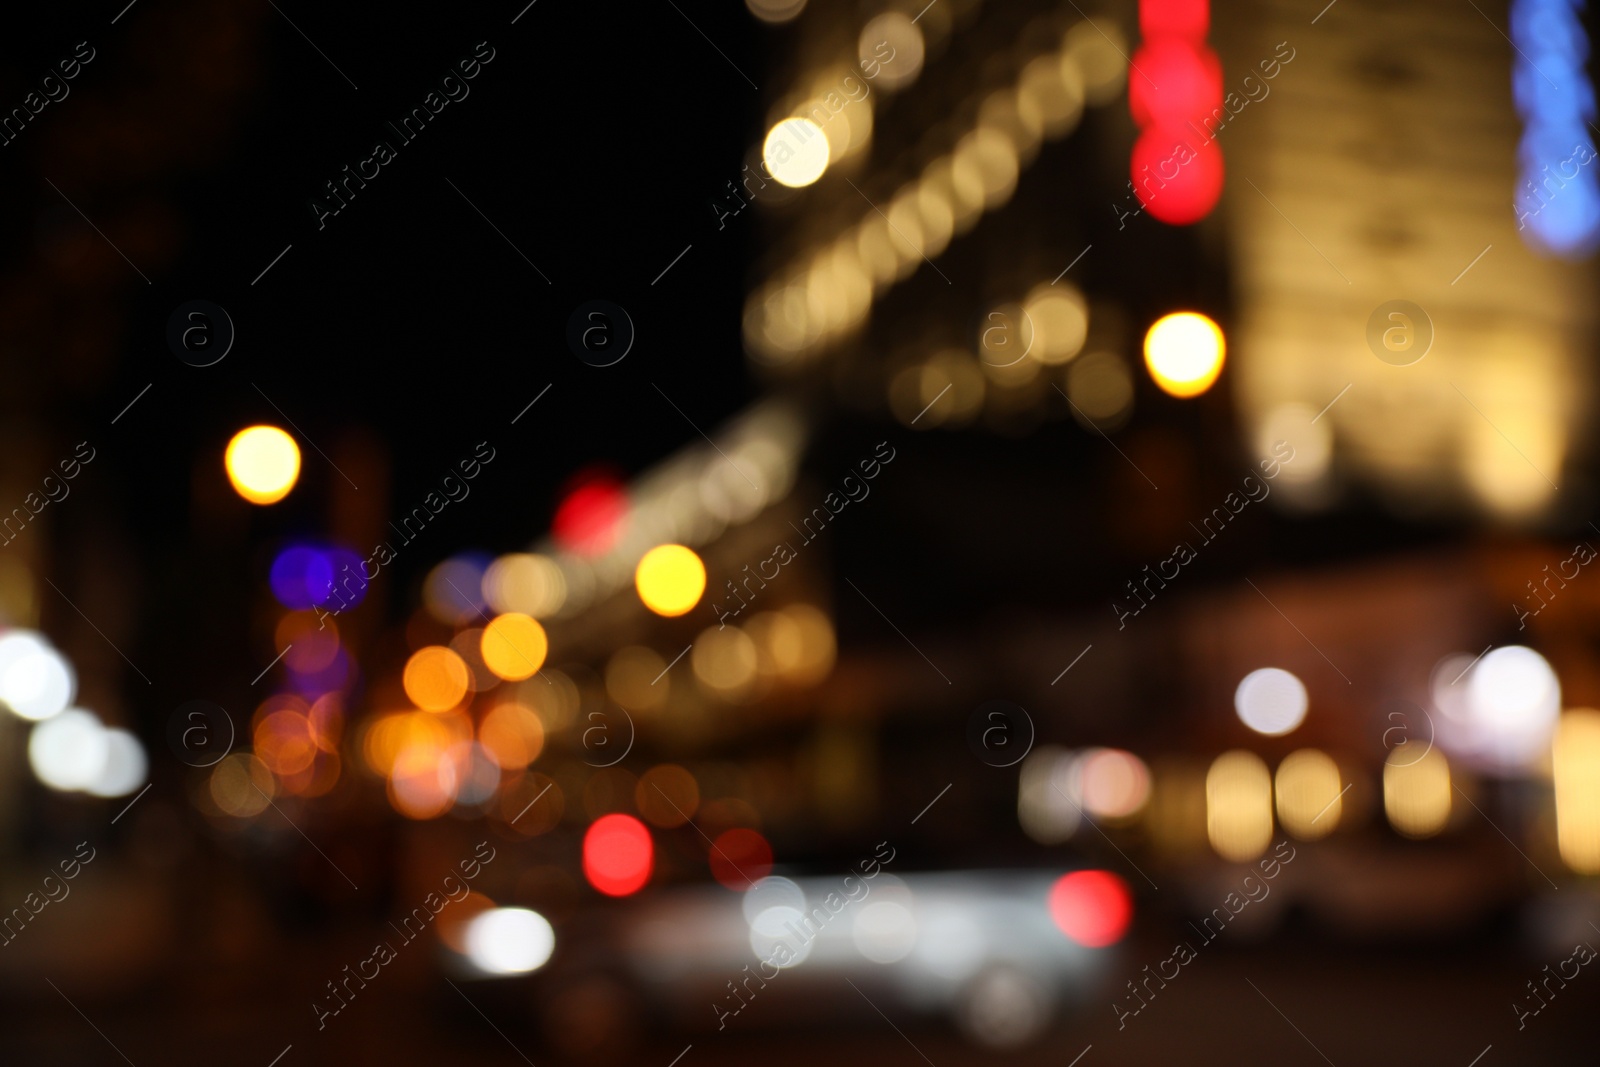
<point>1174,82</point>
<point>740,858</point>
<point>617,855</point>
<point>589,518</point>
<point>1093,908</point>
<point>1176,176</point>
<point>1179,18</point>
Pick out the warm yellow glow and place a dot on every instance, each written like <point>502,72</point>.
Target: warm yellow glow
<point>724,660</point>
<point>1308,794</point>
<point>1184,352</point>
<point>1060,320</point>
<point>514,646</point>
<point>263,464</point>
<point>795,152</point>
<point>525,582</point>
<point>1239,805</point>
<point>637,678</point>
<point>512,735</point>
<point>1576,762</point>
<point>391,734</point>
<point>670,579</point>
<point>435,678</point>
<point>1416,792</point>
<point>892,44</point>
<point>812,660</point>
<point>667,795</point>
<point>241,785</point>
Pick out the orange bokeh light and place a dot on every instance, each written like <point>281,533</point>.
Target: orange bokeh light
<point>435,678</point>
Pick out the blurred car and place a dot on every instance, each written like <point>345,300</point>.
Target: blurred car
<point>1002,953</point>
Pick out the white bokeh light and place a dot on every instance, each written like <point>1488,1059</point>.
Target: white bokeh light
<point>125,766</point>
<point>69,751</point>
<point>885,931</point>
<point>509,940</point>
<point>1270,701</point>
<point>771,892</point>
<point>1512,701</point>
<point>36,681</point>
<point>782,925</point>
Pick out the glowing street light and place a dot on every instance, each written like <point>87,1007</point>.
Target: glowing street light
<point>1184,353</point>
<point>263,463</point>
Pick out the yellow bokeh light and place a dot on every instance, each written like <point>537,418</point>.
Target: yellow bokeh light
<point>1576,763</point>
<point>667,795</point>
<point>1416,792</point>
<point>263,463</point>
<point>1184,352</point>
<point>512,735</point>
<point>724,660</point>
<point>637,678</point>
<point>435,678</point>
<point>1239,805</point>
<point>1308,794</point>
<point>514,646</point>
<point>241,785</point>
<point>795,152</point>
<point>670,579</point>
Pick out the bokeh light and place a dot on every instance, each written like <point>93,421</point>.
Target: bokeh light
<point>637,678</point>
<point>670,579</point>
<point>1113,784</point>
<point>1512,700</point>
<point>893,42</point>
<point>69,750</point>
<point>1184,352</point>
<point>885,929</point>
<point>1093,908</point>
<point>1575,762</point>
<point>740,858</point>
<point>724,661</point>
<point>667,796</point>
<point>512,735</point>
<point>241,786</point>
<point>509,941</point>
<point>795,152</point>
<point>617,855</point>
<point>453,590</point>
<point>1307,790</point>
<point>1416,792</point>
<point>263,463</point>
<point>435,678</point>
<point>525,582</point>
<point>591,515</point>
<point>1239,805</point>
<point>514,646</point>
<point>1271,701</point>
<point>124,769</point>
<point>776,11</point>
<point>36,681</point>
